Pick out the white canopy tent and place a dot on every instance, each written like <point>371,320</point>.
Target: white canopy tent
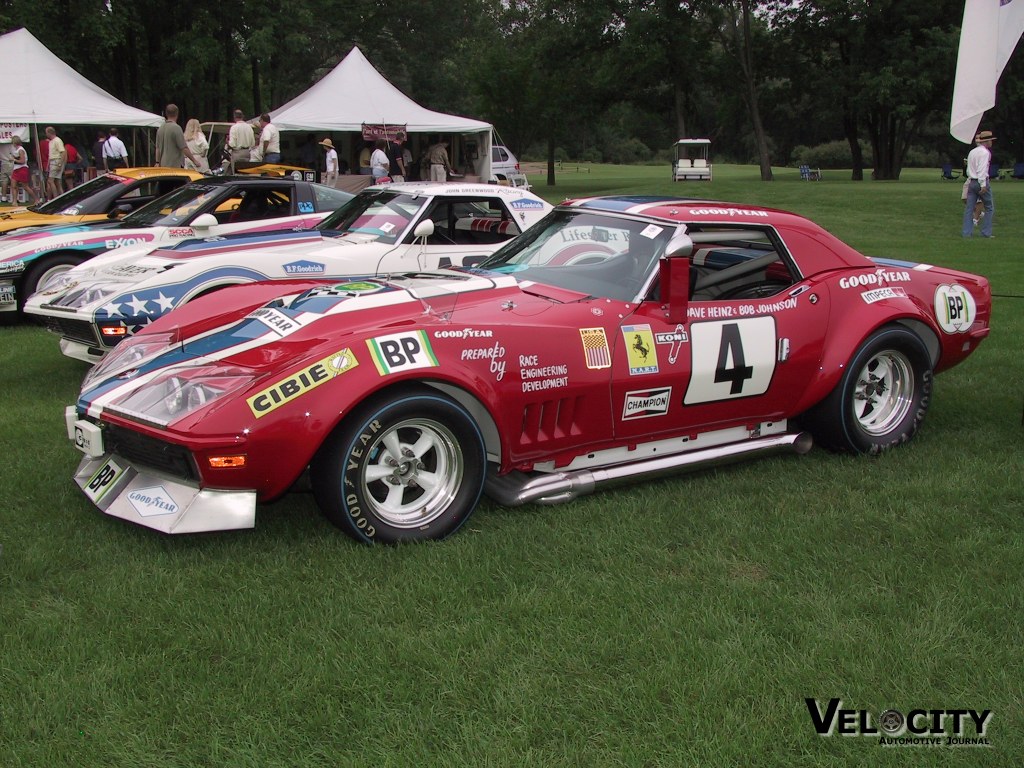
<point>38,89</point>
<point>355,94</point>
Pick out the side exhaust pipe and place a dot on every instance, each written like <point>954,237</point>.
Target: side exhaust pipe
<point>517,488</point>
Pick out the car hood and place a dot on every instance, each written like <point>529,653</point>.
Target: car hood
<point>296,327</point>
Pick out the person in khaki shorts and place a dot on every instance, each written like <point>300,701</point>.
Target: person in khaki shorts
<point>58,160</point>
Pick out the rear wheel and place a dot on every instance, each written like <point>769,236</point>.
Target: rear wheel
<point>406,467</point>
<point>882,397</point>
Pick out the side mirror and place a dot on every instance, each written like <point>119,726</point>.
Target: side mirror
<point>205,221</point>
<point>674,278</point>
<point>424,229</point>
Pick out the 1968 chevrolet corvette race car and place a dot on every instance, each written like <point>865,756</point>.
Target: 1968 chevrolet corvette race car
<point>618,338</point>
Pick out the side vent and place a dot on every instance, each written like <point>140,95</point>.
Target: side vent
<point>551,420</point>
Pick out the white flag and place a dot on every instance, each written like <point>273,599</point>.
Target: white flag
<point>988,36</point>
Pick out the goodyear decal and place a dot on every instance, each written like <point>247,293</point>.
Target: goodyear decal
<point>301,382</point>
<point>401,352</point>
<point>640,350</point>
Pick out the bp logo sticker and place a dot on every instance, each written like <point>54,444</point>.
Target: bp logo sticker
<point>954,308</point>
<point>401,352</point>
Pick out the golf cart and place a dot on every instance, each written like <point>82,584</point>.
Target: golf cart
<point>691,160</point>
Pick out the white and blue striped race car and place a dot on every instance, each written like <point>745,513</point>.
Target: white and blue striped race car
<point>210,206</point>
<point>384,229</point>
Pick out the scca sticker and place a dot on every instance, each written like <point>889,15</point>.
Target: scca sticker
<point>954,308</point>
<point>300,383</point>
<point>640,349</point>
<point>401,352</point>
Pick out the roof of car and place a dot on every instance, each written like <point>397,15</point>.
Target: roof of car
<point>680,209</point>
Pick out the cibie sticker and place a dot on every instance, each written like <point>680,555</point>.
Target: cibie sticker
<point>954,308</point>
<point>301,382</point>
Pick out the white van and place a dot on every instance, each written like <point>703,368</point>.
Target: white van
<point>505,168</point>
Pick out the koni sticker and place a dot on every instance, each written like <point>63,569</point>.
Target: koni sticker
<point>955,309</point>
<point>401,352</point>
<point>676,338</point>
<point>640,349</point>
<point>595,348</point>
<point>644,403</point>
<point>301,382</point>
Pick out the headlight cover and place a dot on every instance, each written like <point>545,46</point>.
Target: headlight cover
<point>128,356</point>
<point>178,392</point>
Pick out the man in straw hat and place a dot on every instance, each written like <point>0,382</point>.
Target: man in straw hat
<point>978,185</point>
<point>331,173</point>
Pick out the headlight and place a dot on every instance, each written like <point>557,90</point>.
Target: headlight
<point>81,296</point>
<point>128,356</point>
<point>56,283</point>
<point>178,392</point>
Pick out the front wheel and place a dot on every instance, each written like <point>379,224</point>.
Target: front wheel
<point>882,397</point>
<point>407,467</point>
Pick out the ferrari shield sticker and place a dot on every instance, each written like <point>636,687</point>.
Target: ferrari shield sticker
<point>401,352</point>
<point>301,382</point>
<point>954,308</point>
<point>595,348</point>
<point>640,349</point>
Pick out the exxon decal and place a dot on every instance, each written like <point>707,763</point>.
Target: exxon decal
<point>303,268</point>
<point>149,502</point>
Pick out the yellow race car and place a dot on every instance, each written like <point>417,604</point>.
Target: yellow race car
<point>108,196</point>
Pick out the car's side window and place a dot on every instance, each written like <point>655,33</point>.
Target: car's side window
<point>471,221</point>
<point>140,194</point>
<point>737,263</point>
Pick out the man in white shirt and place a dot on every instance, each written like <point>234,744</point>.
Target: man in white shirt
<point>979,185</point>
<point>270,140</point>
<point>115,154</point>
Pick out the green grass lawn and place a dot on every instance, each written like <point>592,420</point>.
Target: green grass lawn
<point>673,623</point>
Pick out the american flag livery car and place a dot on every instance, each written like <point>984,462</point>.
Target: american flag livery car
<point>213,206</point>
<point>390,228</point>
<point>618,338</point>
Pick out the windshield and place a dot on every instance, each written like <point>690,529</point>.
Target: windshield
<point>591,253</point>
<point>78,195</point>
<point>176,208</point>
<point>382,214</point>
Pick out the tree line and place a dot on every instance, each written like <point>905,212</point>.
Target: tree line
<point>602,80</point>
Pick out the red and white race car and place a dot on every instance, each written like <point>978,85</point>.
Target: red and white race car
<point>618,338</point>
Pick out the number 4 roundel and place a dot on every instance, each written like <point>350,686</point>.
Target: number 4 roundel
<point>731,359</point>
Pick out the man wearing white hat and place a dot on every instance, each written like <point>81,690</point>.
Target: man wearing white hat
<point>979,185</point>
<point>331,173</point>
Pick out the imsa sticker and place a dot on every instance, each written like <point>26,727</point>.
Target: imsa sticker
<point>644,403</point>
<point>298,384</point>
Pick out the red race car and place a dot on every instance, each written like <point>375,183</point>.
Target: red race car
<point>619,338</point>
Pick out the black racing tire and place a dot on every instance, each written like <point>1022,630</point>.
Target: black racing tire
<point>882,398</point>
<point>427,491</point>
<point>43,269</point>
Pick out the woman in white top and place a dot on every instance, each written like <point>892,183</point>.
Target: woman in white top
<point>20,174</point>
<point>331,170</point>
<point>379,163</point>
<point>196,141</point>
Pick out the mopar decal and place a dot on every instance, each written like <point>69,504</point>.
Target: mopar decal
<point>640,349</point>
<point>401,352</point>
<point>954,308</point>
<point>303,268</point>
<point>153,501</point>
<point>642,404</point>
<point>300,383</point>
